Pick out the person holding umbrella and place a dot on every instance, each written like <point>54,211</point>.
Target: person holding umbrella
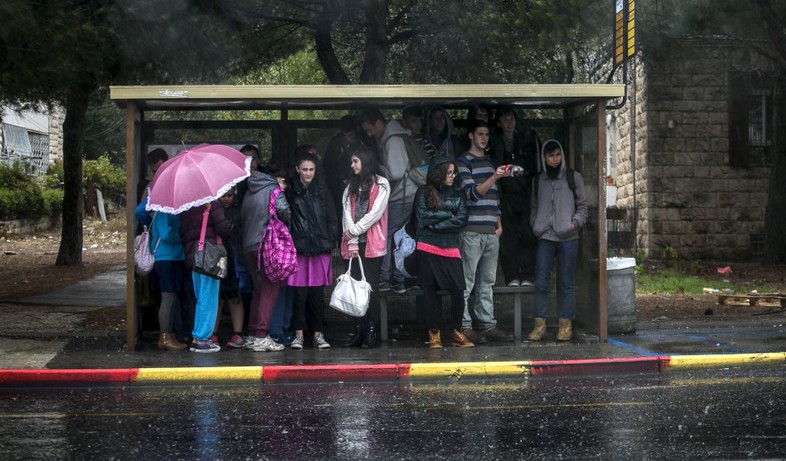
<point>206,288</point>
<point>210,171</point>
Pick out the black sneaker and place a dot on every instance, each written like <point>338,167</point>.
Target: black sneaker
<point>398,288</point>
<point>497,335</point>
<point>384,286</point>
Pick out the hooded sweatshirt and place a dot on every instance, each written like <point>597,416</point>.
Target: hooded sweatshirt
<point>396,163</point>
<point>446,142</point>
<point>254,214</point>
<point>554,209</point>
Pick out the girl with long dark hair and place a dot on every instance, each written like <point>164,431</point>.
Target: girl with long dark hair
<point>365,224</point>
<point>441,212</point>
<point>314,230</point>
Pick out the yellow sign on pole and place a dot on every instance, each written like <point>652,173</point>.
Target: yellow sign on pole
<point>624,30</point>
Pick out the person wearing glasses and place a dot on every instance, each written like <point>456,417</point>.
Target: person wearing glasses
<point>441,212</point>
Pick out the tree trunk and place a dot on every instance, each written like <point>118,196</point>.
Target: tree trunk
<point>70,252</point>
<point>375,59</point>
<point>326,54</point>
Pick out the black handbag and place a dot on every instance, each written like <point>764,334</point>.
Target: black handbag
<point>210,259</point>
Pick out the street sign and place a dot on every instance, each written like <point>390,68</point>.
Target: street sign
<point>624,30</point>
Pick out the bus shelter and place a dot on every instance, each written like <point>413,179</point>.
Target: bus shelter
<point>277,118</point>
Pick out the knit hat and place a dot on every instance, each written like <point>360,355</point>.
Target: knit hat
<point>438,160</point>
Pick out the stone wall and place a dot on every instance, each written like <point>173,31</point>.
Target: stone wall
<point>688,197</point>
<point>56,118</point>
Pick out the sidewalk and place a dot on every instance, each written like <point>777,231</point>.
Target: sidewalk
<point>45,339</point>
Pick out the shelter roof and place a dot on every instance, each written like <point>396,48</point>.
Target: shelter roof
<point>254,97</point>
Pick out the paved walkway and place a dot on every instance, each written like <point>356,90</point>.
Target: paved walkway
<point>43,338</point>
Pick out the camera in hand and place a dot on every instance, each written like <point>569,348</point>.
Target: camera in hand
<point>514,170</point>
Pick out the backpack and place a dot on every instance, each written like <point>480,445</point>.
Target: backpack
<point>570,175</point>
<point>418,159</point>
<point>404,245</point>
<point>277,253</point>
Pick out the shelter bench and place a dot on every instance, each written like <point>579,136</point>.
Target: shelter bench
<point>517,293</point>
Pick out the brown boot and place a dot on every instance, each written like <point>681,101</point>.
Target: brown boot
<point>459,340</point>
<point>539,331</point>
<point>434,341</point>
<point>167,342</point>
<point>565,330</point>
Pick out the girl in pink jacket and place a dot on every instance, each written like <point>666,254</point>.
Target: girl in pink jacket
<point>365,223</point>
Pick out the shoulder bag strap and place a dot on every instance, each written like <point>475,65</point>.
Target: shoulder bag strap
<point>204,229</point>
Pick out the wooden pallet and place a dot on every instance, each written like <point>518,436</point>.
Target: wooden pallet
<point>766,300</point>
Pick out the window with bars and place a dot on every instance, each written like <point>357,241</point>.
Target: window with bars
<point>750,119</point>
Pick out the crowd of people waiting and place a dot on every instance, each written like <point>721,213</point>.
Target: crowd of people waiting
<point>492,194</point>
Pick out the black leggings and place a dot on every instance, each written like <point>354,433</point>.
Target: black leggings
<point>309,308</point>
<point>432,304</point>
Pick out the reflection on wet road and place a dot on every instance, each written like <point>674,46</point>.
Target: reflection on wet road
<point>707,414</point>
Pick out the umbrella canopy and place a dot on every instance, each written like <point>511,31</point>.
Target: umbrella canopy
<point>195,177</point>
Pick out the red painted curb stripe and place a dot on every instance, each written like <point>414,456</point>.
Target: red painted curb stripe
<point>582,366</point>
<point>300,373</point>
<point>119,375</point>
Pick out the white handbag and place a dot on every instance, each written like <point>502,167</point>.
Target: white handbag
<point>351,296</point>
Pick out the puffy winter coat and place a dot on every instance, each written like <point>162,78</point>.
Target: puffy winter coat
<point>313,223</point>
<point>441,227</point>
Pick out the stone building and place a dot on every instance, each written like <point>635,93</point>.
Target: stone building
<point>690,150</point>
<point>32,138</point>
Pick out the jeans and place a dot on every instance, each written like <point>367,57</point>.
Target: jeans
<point>398,215</point>
<point>479,254</point>
<point>565,254</point>
<point>206,291</point>
<point>281,319</point>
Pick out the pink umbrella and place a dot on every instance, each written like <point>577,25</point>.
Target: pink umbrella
<point>195,177</point>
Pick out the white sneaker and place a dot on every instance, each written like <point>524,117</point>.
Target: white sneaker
<point>266,344</point>
<point>319,341</point>
<point>527,283</point>
<point>249,342</point>
<point>297,343</point>
<point>514,283</point>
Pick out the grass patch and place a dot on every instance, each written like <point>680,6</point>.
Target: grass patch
<point>675,281</point>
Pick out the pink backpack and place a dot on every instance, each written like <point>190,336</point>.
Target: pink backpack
<point>277,253</point>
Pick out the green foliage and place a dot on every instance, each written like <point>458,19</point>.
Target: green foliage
<point>54,175</point>
<point>20,195</point>
<point>53,202</point>
<point>105,176</point>
<point>670,256</point>
<point>676,281</point>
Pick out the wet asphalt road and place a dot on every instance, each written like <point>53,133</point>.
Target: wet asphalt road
<point>717,414</point>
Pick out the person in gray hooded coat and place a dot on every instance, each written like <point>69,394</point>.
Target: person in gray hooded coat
<point>558,212</point>
<point>255,217</point>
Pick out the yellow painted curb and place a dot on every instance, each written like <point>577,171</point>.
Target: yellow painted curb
<point>713,360</point>
<point>460,369</point>
<point>200,373</point>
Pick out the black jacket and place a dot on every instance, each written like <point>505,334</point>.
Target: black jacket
<point>525,155</point>
<point>313,222</point>
<point>441,227</point>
